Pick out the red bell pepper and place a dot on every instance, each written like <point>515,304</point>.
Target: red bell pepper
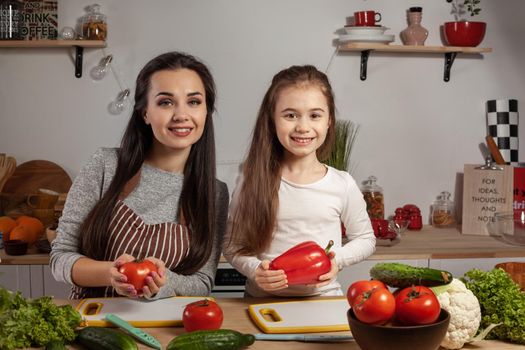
<point>304,263</point>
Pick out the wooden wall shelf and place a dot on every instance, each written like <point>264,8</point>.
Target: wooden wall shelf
<point>450,53</point>
<point>79,46</point>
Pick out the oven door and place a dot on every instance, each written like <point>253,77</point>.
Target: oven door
<point>229,283</point>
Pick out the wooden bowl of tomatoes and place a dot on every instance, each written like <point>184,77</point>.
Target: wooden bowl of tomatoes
<point>397,337</point>
<point>380,319</point>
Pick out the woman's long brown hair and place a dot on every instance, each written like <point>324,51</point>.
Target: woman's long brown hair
<point>197,200</point>
<point>254,220</point>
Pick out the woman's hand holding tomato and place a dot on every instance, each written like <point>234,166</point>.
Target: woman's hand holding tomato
<point>137,278</point>
<point>202,314</point>
<point>374,306</point>
<point>360,287</point>
<point>417,305</point>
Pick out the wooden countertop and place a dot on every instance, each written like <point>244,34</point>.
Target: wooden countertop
<point>429,243</point>
<point>236,317</point>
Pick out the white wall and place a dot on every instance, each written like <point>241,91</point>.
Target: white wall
<point>416,130</point>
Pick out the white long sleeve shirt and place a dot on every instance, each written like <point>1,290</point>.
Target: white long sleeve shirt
<point>311,212</point>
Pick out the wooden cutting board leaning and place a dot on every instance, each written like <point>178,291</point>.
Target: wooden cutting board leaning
<point>28,177</point>
<point>301,316</point>
<point>138,312</point>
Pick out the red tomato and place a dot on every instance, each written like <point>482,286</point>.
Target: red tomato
<point>417,305</point>
<point>202,314</point>
<point>137,271</point>
<point>360,287</point>
<point>376,306</point>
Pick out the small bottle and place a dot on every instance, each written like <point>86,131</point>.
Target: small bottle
<point>10,20</point>
<point>373,195</point>
<point>442,211</point>
<point>94,25</point>
<point>414,34</point>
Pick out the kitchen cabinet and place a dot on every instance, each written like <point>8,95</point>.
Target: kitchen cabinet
<point>450,53</point>
<point>444,248</point>
<point>16,277</point>
<point>79,46</point>
<point>32,280</point>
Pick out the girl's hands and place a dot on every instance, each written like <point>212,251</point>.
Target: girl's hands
<point>328,277</point>
<point>118,280</point>
<point>156,279</point>
<point>270,280</point>
<point>153,282</point>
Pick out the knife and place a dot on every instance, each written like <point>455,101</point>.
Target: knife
<point>142,336</point>
<point>304,337</point>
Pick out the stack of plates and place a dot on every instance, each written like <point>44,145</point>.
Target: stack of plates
<point>366,34</point>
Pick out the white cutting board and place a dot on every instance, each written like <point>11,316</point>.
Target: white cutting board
<point>139,312</point>
<point>327,315</point>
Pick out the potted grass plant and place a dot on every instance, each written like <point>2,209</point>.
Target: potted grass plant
<point>463,32</point>
<point>345,134</point>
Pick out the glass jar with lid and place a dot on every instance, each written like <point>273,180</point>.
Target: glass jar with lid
<point>442,211</point>
<point>94,25</point>
<point>373,195</point>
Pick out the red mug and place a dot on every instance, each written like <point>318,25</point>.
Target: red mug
<point>366,18</point>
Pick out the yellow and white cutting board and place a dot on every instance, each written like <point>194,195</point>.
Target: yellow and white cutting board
<point>307,316</point>
<point>139,312</point>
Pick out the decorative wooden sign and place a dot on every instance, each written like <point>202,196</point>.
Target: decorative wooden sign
<point>486,190</point>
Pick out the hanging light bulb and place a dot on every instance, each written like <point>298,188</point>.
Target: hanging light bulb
<point>99,71</point>
<point>117,106</point>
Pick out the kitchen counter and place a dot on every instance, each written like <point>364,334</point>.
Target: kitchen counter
<point>429,243</point>
<point>236,317</point>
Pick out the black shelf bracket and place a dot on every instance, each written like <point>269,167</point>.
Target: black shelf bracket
<point>79,54</point>
<point>449,60</point>
<point>364,62</point>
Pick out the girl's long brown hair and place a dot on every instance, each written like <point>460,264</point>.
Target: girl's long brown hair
<point>254,220</point>
<point>197,200</point>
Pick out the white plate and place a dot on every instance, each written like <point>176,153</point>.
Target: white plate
<point>383,38</point>
<point>365,30</point>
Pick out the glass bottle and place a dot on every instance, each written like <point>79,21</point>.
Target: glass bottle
<point>10,20</point>
<point>373,195</point>
<point>414,34</point>
<point>94,25</point>
<point>442,211</point>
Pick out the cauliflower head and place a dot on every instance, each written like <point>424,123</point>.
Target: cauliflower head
<point>465,313</point>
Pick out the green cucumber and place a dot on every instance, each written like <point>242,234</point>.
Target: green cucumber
<point>220,339</point>
<point>401,275</point>
<point>98,338</point>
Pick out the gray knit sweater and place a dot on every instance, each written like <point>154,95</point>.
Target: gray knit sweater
<point>155,200</point>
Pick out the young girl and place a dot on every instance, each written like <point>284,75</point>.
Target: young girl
<point>286,196</point>
<point>152,198</point>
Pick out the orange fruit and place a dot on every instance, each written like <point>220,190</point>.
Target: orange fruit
<point>33,224</point>
<point>6,225</point>
<point>23,233</point>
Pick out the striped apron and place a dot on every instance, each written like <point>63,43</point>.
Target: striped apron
<point>129,234</point>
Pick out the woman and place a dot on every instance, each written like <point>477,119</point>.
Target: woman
<point>150,198</point>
